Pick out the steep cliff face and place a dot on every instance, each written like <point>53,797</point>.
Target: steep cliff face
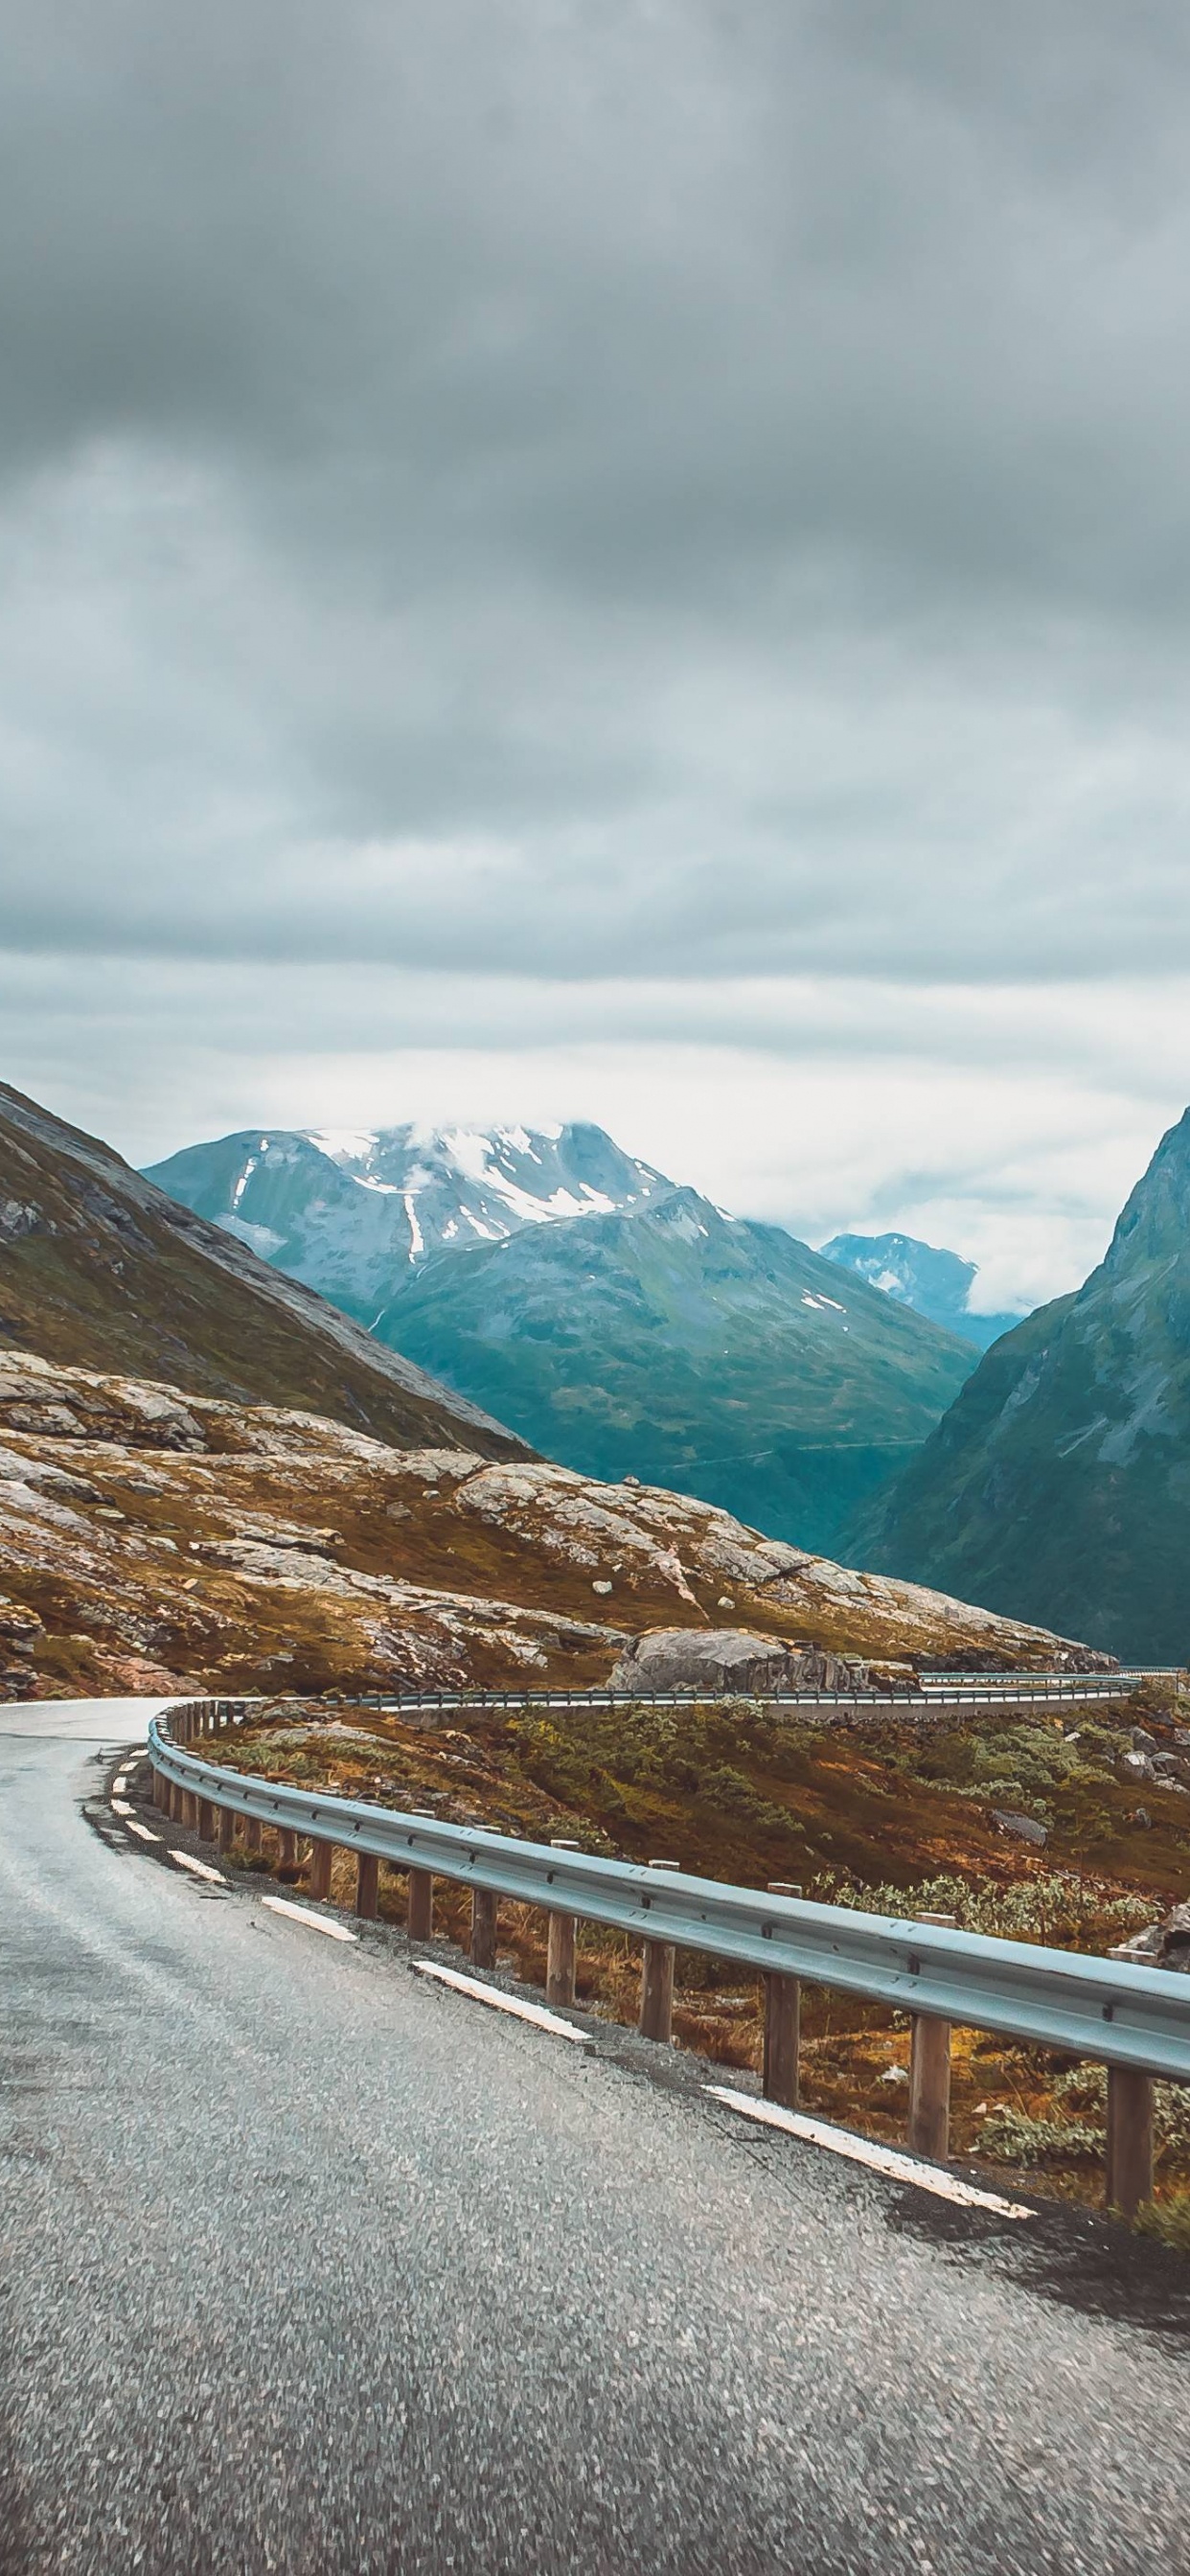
<point>1058,1485</point>
<point>101,1270</point>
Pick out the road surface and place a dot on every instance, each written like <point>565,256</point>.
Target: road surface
<point>311,2266</point>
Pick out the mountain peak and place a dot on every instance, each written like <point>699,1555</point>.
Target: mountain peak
<point>348,1209</point>
<point>934,1282</point>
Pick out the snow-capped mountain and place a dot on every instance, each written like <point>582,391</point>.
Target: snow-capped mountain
<point>624,1324</point>
<point>933,1282</point>
<point>349,1210</point>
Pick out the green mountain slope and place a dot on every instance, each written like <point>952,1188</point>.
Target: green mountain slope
<point>1058,1486</point>
<point>717,1357</point>
<point>100,1270</point>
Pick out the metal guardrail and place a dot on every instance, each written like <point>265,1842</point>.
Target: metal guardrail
<point>1126,2017</point>
<point>950,1691</point>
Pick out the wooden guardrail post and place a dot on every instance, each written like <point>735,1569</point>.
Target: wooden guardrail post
<point>782,2024</point>
<point>929,2077</point>
<point>367,1886</point>
<point>227,1828</point>
<point>419,1917</point>
<point>560,1945</point>
<point>254,1833</point>
<point>657,1982</point>
<point>1129,2139</point>
<point>287,1841</point>
<point>483,1927</point>
<point>206,1821</point>
<point>189,1811</point>
<point>321,1856</point>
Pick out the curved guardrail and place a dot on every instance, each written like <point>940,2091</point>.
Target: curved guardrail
<point>932,1690</point>
<point>1125,2016</point>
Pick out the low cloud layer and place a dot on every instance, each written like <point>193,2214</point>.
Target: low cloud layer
<point>558,539</point>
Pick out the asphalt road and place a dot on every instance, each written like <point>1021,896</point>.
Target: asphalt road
<point>309,2265</point>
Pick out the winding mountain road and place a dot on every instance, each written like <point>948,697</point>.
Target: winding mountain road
<point>311,2266</point>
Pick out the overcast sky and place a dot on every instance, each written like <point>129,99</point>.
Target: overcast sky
<point>609,558</point>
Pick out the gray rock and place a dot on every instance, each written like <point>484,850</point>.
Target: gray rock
<point>1160,1945</point>
<point>1144,1948</point>
<point>1175,1940</point>
<point>724,1659</point>
<point>1137,1766</point>
<point>1025,1828</point>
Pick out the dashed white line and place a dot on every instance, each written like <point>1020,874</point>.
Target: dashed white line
<point>143,1831</point>
<point>302,1914</point>
<point>535,2013</point>
<point>119,1786</point>
<point>120,1807</point>
<point>199,1867</point>
<point>865,2151</point>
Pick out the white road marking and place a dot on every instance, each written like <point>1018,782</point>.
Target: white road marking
<point>120,1807</point>
<point>535,2013</point>
<point>143,1831</point>
<point>302,1914</point>
<point>119,1786</point>
<point>199,1868</point>
<point>865,2151</point>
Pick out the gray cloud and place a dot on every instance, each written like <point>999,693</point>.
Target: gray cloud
<point>645,497</point>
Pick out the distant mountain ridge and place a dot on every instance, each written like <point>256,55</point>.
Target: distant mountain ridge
<point>633,1324</point>
<point>933,1282</point>
<point>348,1210</point>
<point>1059,1481</point>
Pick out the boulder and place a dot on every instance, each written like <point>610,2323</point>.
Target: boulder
<point>724,1660</point>
<point>1025,1828</point>
<point>1160,1945</point>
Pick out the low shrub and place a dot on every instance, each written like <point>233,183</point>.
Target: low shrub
<point>1167,2220</point>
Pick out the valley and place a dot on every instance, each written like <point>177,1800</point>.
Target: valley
<point>615,1321</point>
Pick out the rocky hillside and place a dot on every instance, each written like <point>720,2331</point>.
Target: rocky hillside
<point>348,1213</point>
<point>699,1351</point>
<point>153,1540</point>
<point>935,1283</point>
<point>1058,1485</point>
<point>100,1269</point>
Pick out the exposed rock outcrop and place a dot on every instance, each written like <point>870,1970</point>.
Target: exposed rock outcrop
<point>728,1659</point>
<point>237,1548</point>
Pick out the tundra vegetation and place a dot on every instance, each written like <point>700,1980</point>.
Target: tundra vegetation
<point>894,1817</point>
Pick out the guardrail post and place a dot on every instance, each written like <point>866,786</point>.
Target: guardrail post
<point>1129,2139</point>
<point>287,1841</point>
<point>227,1828</point>
<point>782,2025</point>
<point>483,1927</point>
<point>206,1821</point>
<point>657,1982</point>
<point>321,1857</point>
<point>254,1833</point>
<point>419,1917</point>
<point>929,2077</point>
<point>190,1811</point>
<point>560,1946</point>
<point>367,1886</point>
